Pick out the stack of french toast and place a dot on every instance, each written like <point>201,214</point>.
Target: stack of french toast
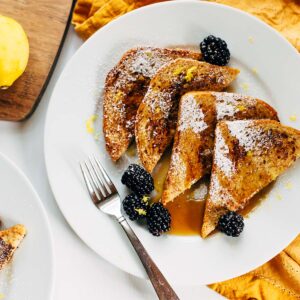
<point>170,97</point>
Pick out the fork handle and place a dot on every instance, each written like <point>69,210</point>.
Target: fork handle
<point>159,282</point>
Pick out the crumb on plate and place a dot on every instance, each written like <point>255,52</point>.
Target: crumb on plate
<point>254,71</point>
<point>251,39</point>
<point>90,124</point>
<point>293,118</point>
<point>288,185</point>
<point>97,136</point>
<point>245,86</point>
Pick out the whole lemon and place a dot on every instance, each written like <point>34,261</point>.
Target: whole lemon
<point>14,51</point>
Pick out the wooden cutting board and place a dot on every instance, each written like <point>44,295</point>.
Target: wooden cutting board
<point>45,23</point>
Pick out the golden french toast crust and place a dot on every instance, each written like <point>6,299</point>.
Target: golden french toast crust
<point>157,114</point>
<point>259,151</point>
<point>9,241</point>
<point>6,252</point>
<point>125,86</point>
<point>195,148</point>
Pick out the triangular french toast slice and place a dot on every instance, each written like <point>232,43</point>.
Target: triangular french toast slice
<point>9,241</point>
<point>157,114</point>
<point>125,87</point>
<point>248,155</point>
<point>198,115</point>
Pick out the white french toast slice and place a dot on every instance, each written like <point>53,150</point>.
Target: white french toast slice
<point>248,155</point>
<point>125,87</point>
<point>10,240</point>
<point>157,114</point>
<point>198,115</point>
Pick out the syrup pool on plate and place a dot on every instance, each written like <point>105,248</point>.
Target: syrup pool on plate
<point>187,209</point>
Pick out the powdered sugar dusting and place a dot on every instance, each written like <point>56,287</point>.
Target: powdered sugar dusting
<point>227,104</point>
<point>159,102</point>
<point>201,192</point>
<point>131,76</point>
<point>249,137</point>
<point>192,116</point>
<point>217,192</point>
<point>147,63</point>
<point>221,159</point>
<point>177,164</point>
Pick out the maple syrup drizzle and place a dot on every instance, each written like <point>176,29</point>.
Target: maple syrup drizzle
<point>187,210</point>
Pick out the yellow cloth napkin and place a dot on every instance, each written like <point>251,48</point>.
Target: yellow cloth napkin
<point>283,15</point>
<point>279,279</point>
<point>90,15</point>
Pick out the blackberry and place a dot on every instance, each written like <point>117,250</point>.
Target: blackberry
<point>158,219</point>
<point>138,180</point>
<point>136,207</point>
<point>232,224</point>
<point>215,51</point>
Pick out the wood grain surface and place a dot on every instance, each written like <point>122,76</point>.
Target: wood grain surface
<point>45,23</point>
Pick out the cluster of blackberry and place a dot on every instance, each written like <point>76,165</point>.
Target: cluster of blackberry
<point>137,204</point>
<point>231,223</point>
<point>215,51</point>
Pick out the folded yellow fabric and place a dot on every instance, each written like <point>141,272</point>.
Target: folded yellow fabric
<point>90,15</point>
<point>279,279</point>
<point>283,15</point>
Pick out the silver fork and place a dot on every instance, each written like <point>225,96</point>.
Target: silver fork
<point>106,197</point>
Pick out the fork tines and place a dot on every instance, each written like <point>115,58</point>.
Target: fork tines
<point>97,181</point>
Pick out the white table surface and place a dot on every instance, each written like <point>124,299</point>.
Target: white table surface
<point>80,273</point>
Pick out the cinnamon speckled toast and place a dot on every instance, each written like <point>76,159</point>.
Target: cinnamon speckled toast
<point>248,155</point>
<point>198,115</point>
<point>125,87</point>
<point>9,242</point>
<point>157,114</point>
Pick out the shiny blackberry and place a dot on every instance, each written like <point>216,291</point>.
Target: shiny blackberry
<point>136,207</point>
<point>158,219</point>
<point>138,180</point>
<point>231,223</point>
<point>215,51</point>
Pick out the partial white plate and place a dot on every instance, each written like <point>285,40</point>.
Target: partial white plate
<point>270,69</point>
<point>30,275</point>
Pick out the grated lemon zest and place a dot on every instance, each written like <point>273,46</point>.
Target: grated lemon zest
<point>288,185</point>
<point>245,86</point>
<point>140,211</point>
<point>189,74</point>
<point>250,153</point>
<point>241,107</point>
<point>254,70</point>
<point>251,39</point>
<point>178,71</point>
<point>145,199</point>
<point>90,124</point>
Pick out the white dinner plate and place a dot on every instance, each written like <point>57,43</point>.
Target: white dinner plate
<point>30,274</point>
<point>270,69</point>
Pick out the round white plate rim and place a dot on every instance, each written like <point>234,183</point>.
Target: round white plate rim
<point>107,28</point>
<point>36,199</point>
